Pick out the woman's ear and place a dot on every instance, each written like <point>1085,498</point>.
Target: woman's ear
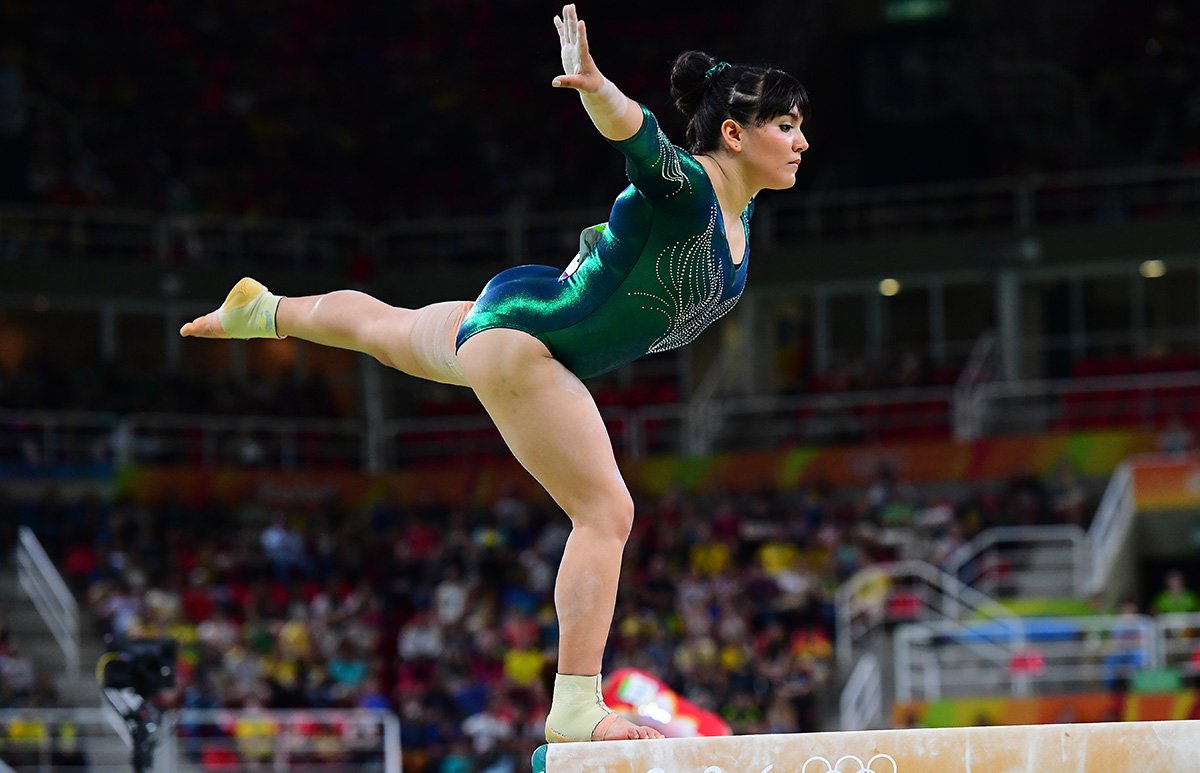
<point>731,135</point>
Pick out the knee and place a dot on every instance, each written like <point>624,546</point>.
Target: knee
<point>610,513</point>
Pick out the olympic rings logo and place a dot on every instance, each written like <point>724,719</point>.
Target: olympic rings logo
<point>863,767</point>
<point>814,765</point>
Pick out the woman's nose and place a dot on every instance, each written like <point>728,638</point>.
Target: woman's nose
<point>802,142</point>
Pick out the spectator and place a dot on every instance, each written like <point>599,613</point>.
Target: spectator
<point>1126,649</point>
<point>283,547</point>
<point>1176,596</point>
<point>490,727</point>
<point>1176,438</point>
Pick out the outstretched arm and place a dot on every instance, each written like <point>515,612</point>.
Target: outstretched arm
<point>615,115</point>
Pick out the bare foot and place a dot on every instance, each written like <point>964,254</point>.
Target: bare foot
<point>617,728</point>
<point>208,326</point>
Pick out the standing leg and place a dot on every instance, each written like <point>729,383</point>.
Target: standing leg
<point>550,422</point>
<point>419,342</point>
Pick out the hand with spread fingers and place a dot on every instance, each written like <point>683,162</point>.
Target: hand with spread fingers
<point>579,69</point>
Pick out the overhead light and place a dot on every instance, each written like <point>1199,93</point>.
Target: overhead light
<point>889,287</point>
<point>1152,269</point>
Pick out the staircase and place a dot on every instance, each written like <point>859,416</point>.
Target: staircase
<point>104,749</point>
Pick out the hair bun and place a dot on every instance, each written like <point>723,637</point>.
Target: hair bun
<point>688,81</point>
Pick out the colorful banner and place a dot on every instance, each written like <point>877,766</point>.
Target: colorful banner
<point>1048,709</point>
<point>484,480</point>
<point>1167,483</point>
<point>643,699</point>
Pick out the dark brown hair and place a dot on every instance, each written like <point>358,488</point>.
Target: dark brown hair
<point>707,93</point>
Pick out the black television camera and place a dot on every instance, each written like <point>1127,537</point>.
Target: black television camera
<point>146,666</point>
<point>131,673</point>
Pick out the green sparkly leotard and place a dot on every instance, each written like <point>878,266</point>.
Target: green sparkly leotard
<point>649,280</point>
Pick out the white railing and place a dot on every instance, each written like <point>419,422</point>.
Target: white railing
<point>333,740</point>
<point>44,438</point>
<point>281,442</point>
<point>704,419</point>
<point>1019,203</point>
<point>83,739</point>
<point>1015,203</point>
<point>1179,637</point>
<point>1029,406</point>
<point>57,438</point>
<point>1110,528</point>
<point>50,437</point>
<point>337,741</point>
<point>41,582</point>
<point>735,423</point>
<point>861,702</point>
<point>1023,561</point>
<point>905,591</point>
<point>969,407</point>
<point>1041,655</point>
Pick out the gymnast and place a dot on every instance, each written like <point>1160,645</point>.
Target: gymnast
<point>671,259</point>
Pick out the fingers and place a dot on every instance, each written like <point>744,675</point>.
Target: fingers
<point>567,82</point>
<point>571,22</point>
<point>583,44</point>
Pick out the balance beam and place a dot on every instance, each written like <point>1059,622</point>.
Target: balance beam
<point>1083,748</point>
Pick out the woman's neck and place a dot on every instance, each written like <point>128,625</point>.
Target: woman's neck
<point>733,190</point>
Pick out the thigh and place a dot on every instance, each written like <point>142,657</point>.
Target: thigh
<point>548,419</point>
<point>432,333</point>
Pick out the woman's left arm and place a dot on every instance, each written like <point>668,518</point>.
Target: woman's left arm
<point>615,115</point>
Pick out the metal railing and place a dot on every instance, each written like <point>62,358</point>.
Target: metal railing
<point>904,591</point>
<point>969,406</point>
<point>1014,203</point>
<point>41,582</point>
<point>1028,406</point>
<point>1004,561</point>
<point>1043,655</point>
<point>1179,637</point>
<point>52,437</point>
<point>861,702</point>
<point>1110,528</point>
<point>46,438</point>
<point>85,739</point>
<point>285,443</point>
<point>48,740</point>
<point>316,740</point>
<point>732,423</point>
<point>57,438</point>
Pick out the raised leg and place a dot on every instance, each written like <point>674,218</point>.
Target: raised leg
<point>550,422</point>
<point>419,342</point>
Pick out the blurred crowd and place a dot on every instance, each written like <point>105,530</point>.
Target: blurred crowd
<point>57,384</point>
<point>443,612</point>
<point>22,684</point>
<point>317,109</point>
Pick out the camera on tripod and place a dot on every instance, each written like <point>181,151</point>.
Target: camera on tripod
<point>132,673</point>
<point>146,666</point>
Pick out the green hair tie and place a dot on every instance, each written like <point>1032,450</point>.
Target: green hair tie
<point>716,69</point>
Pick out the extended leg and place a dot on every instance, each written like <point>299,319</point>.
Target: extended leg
<point>550,422</point>
<point>419,342</point>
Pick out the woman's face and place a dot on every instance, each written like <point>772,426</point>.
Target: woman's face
<point>773,150</point>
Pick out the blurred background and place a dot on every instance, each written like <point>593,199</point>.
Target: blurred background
<point>935,469</point>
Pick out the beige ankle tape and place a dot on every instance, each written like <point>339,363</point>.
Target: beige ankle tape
<point>576,709</point>
<point>247,314</point>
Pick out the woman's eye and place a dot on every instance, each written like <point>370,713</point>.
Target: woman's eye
<point>787,127</point>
